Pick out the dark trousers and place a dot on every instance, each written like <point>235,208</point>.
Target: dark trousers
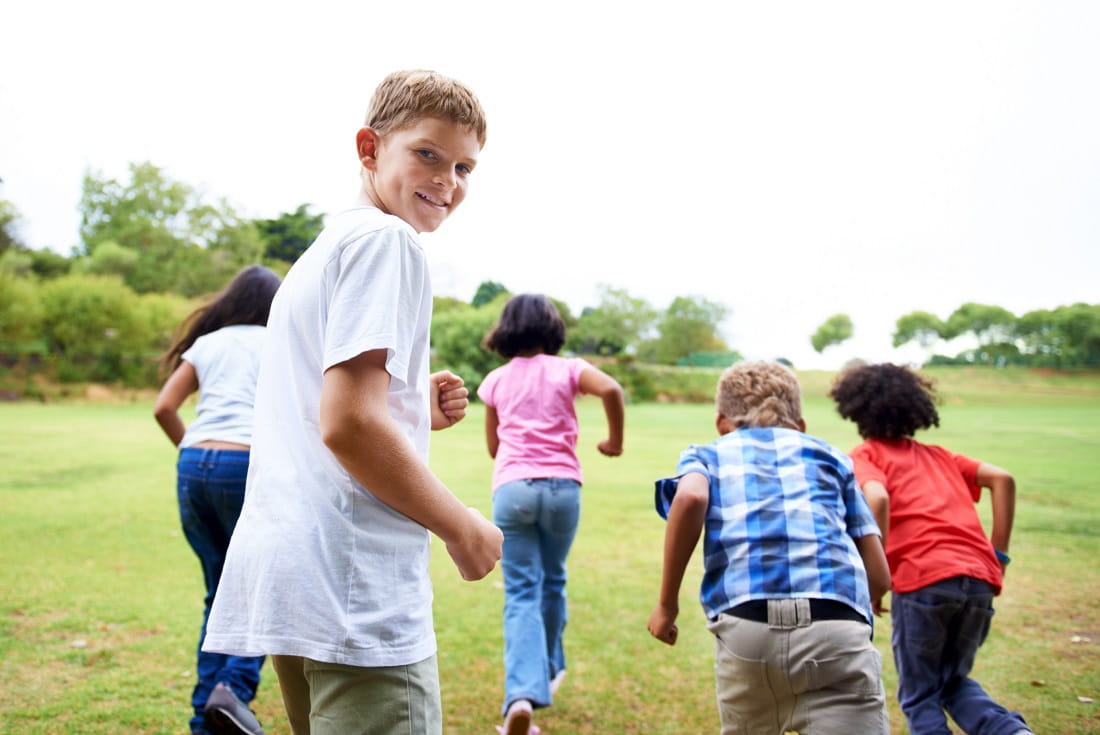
<point>936,634</point>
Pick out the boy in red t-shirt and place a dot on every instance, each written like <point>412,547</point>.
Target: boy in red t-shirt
<point>945,571</point>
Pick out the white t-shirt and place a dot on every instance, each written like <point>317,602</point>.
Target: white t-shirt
<point>318,567</point>
<point>226,362</point>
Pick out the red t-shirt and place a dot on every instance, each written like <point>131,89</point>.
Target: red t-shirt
<point>935,532</point>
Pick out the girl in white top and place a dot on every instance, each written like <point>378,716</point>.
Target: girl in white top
<point>217,352</point>
<point>531,429</point>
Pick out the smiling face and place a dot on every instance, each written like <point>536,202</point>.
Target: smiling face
<point>419,173</point>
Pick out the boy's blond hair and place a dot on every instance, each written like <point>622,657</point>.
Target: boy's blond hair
<point>759,394</point>
<point>404,97</point>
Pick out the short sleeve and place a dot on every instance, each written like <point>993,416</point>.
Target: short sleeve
<point>487,389</point>
<point>865,468</point>
<point>197,354</point>
<point>968,468</point>
<point>372,285</point>
<point>665,488</point>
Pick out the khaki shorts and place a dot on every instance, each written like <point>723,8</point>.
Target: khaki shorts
<point>334,699</point>
<point>819,677</point>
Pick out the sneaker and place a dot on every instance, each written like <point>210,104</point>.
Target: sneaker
<point>518,721</point>
<point>226,714</point>
<point>556,682</point>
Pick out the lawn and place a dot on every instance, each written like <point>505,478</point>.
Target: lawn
<point>101,597</point>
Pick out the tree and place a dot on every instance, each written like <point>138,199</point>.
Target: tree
<point>919,326</point>
<point>619,322</point>
<point>486,292</point>
<point>9,236</point>
<point>833,331</point>
<point>20,311</point>
<point>183,243</point>
<point>987,323</point>
<point>287,236</point>
<point>689,325</point>
<point>457,334</point>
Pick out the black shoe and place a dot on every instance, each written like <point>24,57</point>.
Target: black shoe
<point>226,714</point>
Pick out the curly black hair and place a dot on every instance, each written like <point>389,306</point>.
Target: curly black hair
<point>530,322</point>
<point>885,401</point>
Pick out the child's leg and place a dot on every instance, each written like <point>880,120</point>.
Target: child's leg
<point>750,700</point>
<point>967,703</point>
<point>558,519</point>
<point>921,621</point>
<point>352,700</point>
<point>210,491</point>
<point>837,673</point>
<point>526,670</point>
<point>295,690</point>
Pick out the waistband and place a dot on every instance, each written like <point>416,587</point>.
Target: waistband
<point>791,613</point>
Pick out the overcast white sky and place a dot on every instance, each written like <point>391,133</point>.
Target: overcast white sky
<point>791,160</point>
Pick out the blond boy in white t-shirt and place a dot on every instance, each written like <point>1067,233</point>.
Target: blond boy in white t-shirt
<point>328,570</point>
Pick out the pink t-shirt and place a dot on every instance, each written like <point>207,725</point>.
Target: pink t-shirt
<point>537,425</point>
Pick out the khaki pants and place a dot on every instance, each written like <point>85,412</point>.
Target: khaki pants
<point>813,677</point>
<point>334,699</point>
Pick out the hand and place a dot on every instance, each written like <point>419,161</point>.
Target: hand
<point>448,399</point>
<point>478,550</point>
<point>662,624</point>
<point>877,608</point>
<point>609,449</point>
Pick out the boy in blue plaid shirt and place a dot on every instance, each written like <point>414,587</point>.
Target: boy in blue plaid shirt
<point>792,562</point>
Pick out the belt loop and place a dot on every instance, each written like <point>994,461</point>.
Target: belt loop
<point>802,612</point>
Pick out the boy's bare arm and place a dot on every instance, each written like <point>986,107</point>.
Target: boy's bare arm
<point>1002,491</point>
<point>878,570</point>
<point>357,427</point>
<point>598,383</point>
<point>685,524</point>
<point>879,502</point>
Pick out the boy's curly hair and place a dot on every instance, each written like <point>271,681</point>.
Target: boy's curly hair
<point>404,97</point>
<point>759,394</point>
<point>885,401</point>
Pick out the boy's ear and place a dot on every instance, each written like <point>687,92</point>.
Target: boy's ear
<point>366,144</point>
<point>802,424</point>
<point>723,424</point>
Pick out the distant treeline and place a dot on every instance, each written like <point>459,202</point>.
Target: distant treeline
<point>152,250</point>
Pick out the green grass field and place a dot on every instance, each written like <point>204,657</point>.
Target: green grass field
<point>101,597</point>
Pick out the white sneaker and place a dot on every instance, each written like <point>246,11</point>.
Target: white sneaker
<point>556,682</point>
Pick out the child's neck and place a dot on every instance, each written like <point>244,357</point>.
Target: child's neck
<point>529,353</point>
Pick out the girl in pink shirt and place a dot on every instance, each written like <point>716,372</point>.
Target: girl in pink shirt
<point>531,430</point>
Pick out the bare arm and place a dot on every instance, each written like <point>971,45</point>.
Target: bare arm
<point>1002,491</point>
<point>357,427</point>
<point>598,383</point>
<point>879,501</point>
<point>491,437</point>
<point>685,524</point>
<point>180,384</point>
<point>878,571</point>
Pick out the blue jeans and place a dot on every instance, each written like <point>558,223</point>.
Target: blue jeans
<point>210,487</point>
<point>539,520</point>
<point>936,634</point>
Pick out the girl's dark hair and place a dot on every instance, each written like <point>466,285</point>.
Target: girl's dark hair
<point>530,322</point>
<point>246,300</point>
<point>885,401</point>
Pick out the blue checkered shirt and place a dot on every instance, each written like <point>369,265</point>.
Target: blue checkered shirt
<point>783,514</point>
